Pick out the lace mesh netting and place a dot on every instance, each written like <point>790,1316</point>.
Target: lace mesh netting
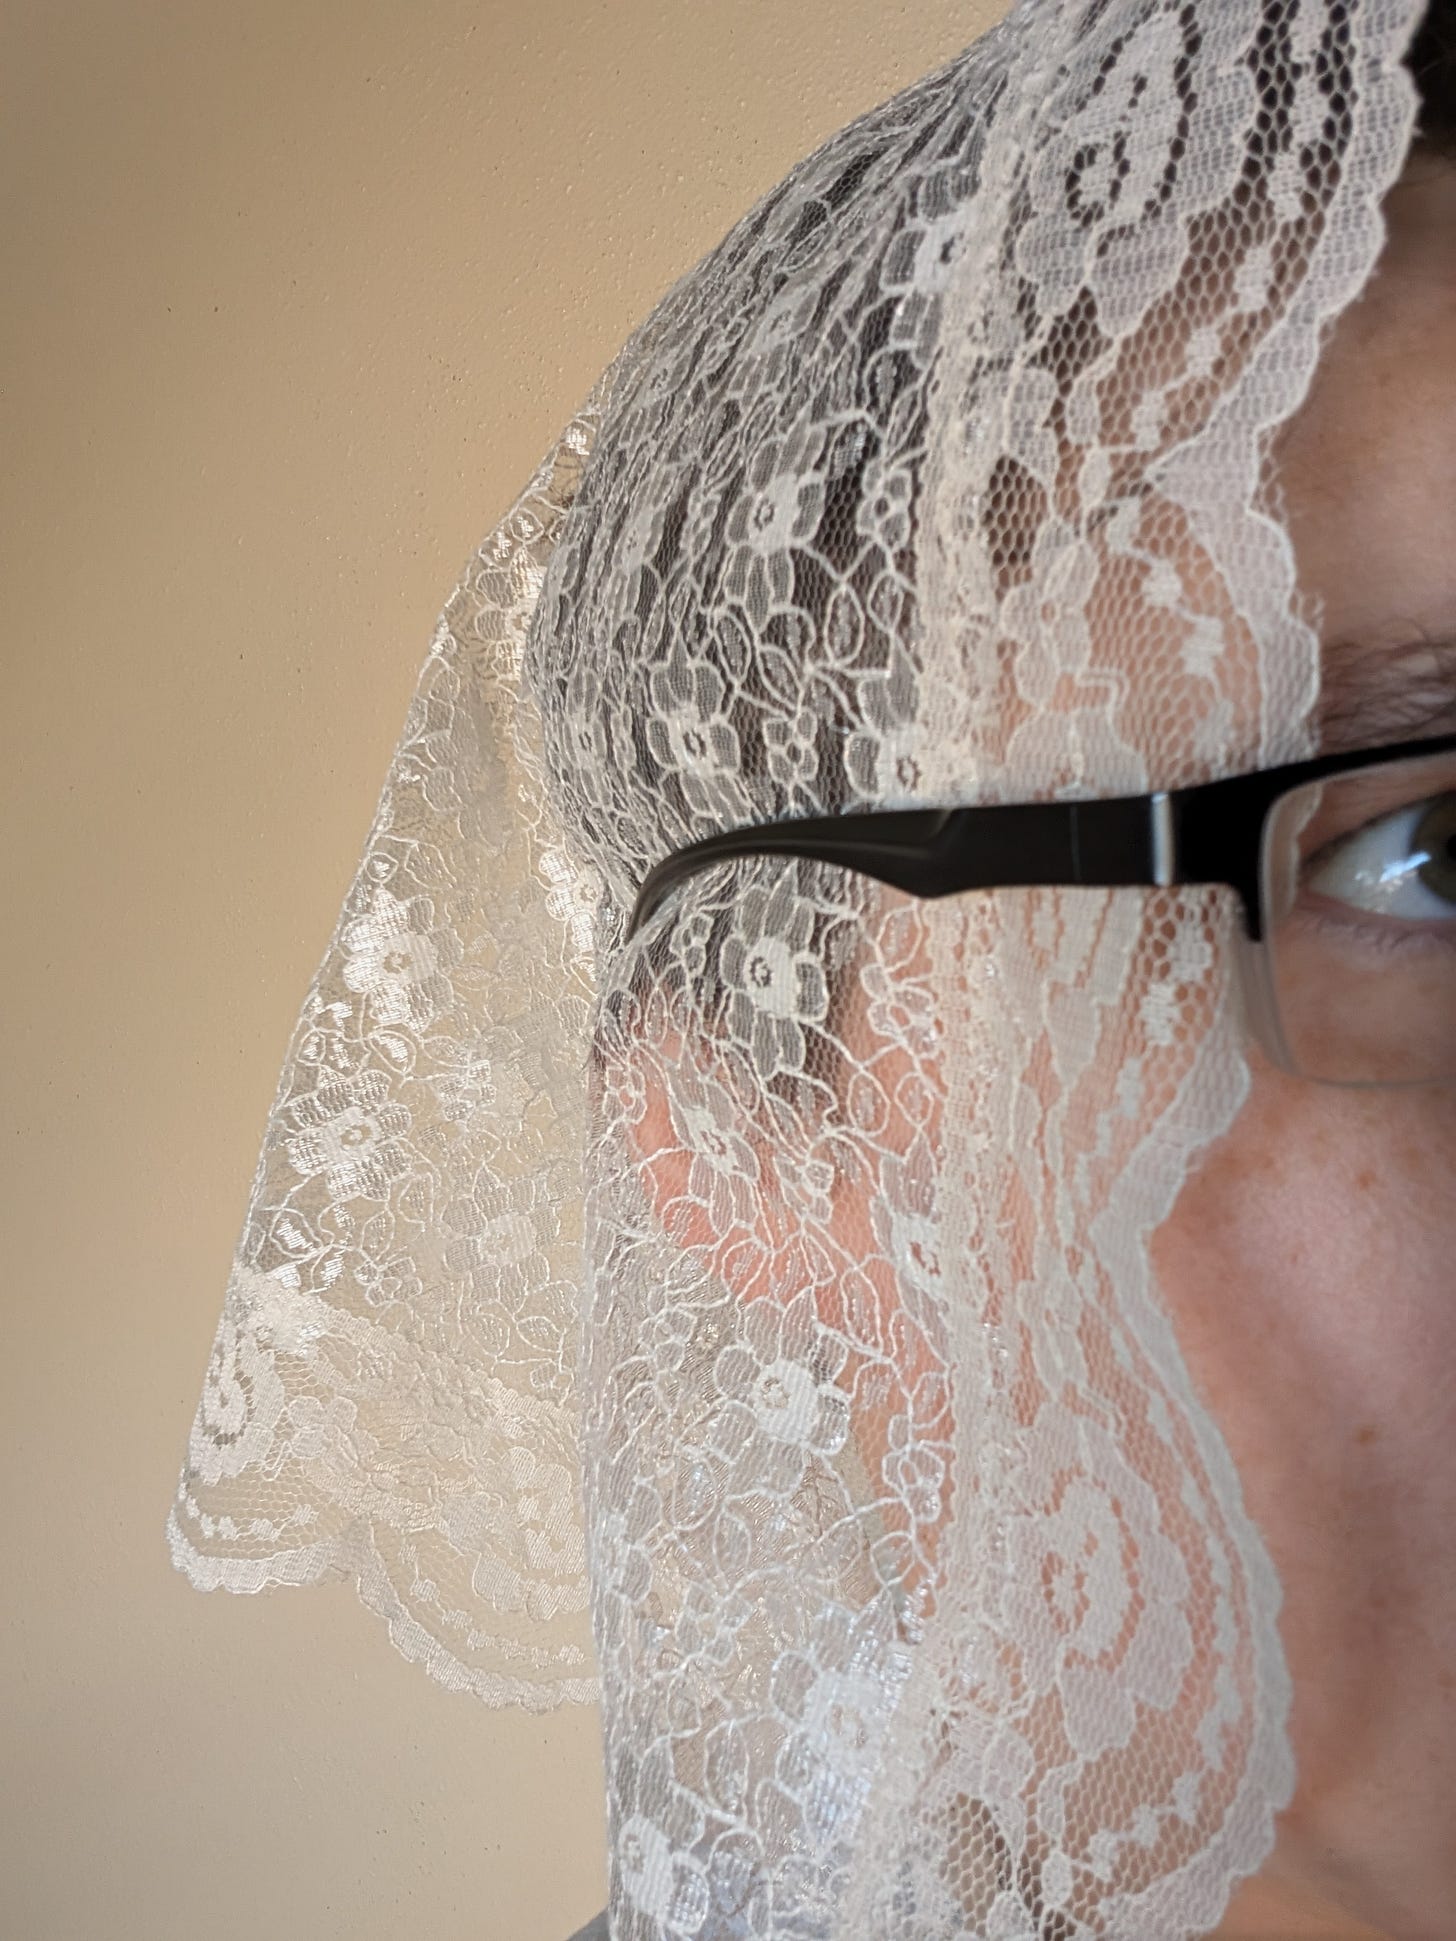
<point>806,1236</point>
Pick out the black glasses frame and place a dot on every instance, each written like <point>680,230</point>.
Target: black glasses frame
<point>1210,833</point>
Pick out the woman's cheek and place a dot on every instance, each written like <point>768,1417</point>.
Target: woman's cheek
<point>1309,1268</point>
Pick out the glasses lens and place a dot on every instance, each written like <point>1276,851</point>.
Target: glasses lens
<point>1359,891</point>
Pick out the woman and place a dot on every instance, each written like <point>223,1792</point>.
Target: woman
<point>980,1330</point>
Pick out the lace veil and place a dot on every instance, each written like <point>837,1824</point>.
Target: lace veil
<point>752,1325</point>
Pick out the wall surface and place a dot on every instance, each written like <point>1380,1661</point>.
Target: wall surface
<point>294,296</point>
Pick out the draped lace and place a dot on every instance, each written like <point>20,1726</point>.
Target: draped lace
<point>790,1265</point>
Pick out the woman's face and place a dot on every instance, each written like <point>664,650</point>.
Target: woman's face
<point>1311,1262</point>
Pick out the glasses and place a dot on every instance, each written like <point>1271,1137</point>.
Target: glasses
<point>1344,866</point>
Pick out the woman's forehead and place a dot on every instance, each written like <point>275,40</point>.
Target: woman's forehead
<point>1368,465</point>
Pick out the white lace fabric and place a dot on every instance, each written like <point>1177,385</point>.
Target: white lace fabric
<point>778,1283</point>
<point>391,1394</point>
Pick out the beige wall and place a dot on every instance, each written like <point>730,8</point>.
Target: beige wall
<point>295,292</point>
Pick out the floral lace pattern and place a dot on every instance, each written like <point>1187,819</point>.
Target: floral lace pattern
<point>809,1232</point>
<point>390,1396</point>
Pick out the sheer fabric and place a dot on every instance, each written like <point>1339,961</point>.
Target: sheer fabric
<point>778,1285</point>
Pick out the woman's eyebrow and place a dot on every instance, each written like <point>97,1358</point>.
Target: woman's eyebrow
<point>1372,691</point>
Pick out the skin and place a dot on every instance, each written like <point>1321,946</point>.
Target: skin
<point>1307,1263</point>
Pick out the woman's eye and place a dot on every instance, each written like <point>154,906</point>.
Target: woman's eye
<point>1401,865</point>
